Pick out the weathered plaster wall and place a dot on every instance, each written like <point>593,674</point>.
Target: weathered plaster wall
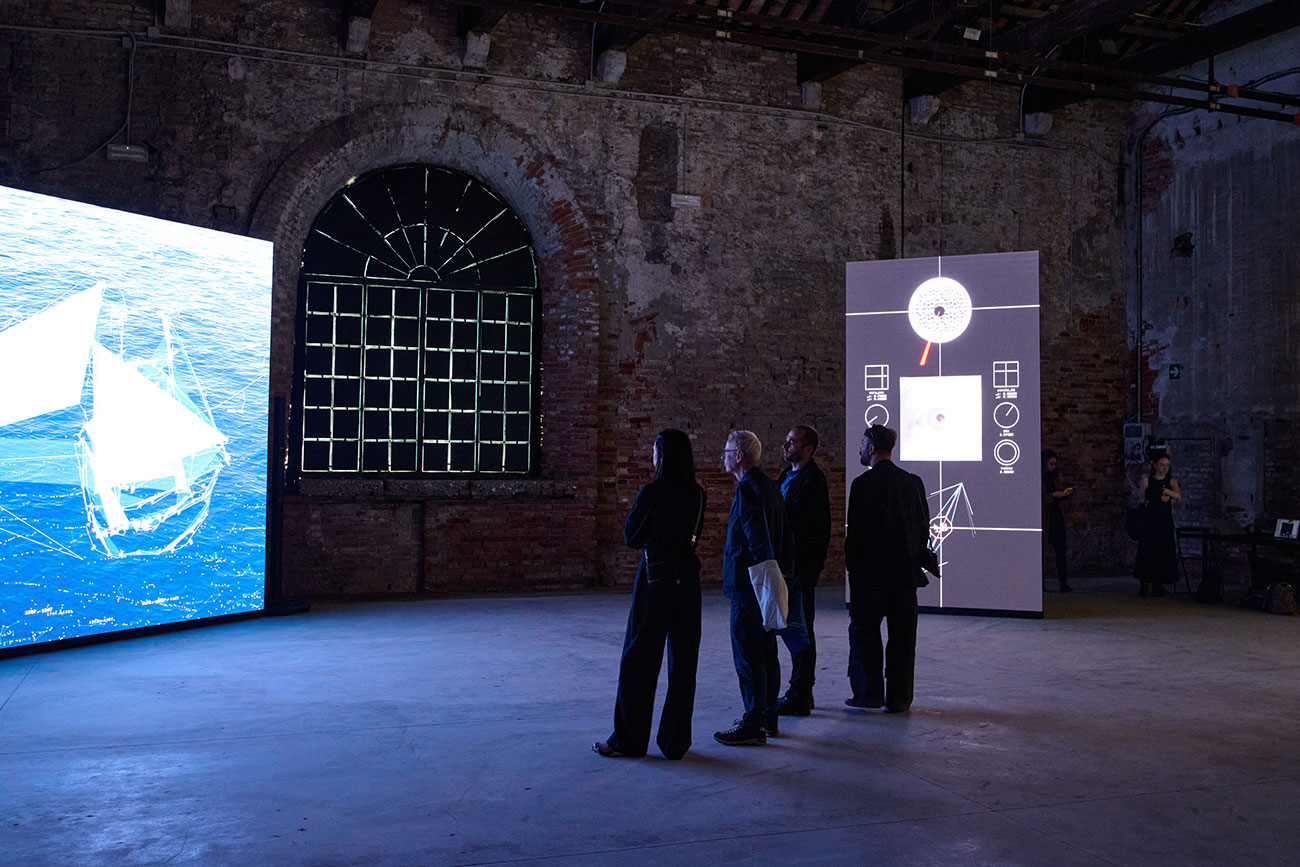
<point>1220,294</point>
<point>729,315</point>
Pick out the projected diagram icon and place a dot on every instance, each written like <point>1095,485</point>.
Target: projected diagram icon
<point>140,438</point>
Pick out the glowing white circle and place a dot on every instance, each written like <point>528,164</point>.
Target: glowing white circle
<point>1007,452</point>
<point>876,414</point>
<point>939,310</point>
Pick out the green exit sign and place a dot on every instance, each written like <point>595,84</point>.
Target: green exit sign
<point>1175,371</point>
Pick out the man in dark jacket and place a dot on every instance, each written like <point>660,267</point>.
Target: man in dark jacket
<point>757,531</point>
<point>888,526</point>
<point>808,505</point>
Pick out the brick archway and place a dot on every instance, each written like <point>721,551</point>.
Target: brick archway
<point>459,536</point>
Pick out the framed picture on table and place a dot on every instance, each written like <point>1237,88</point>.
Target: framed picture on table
<point>1287,529</point>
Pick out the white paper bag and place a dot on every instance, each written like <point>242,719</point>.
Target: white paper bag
<point>773,595</point>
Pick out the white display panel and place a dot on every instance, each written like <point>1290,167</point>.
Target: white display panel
<point>939,418</point>
<point>133,420</point>
<point>946,353</point>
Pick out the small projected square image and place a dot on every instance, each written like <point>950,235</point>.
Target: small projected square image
<point>876,377</point>
<point>1006,374</point>
<point>940,418</point>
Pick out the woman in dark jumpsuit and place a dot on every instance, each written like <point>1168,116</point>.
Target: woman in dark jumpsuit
<point>1053,517</point>
<point>665,520</point>
<point>1157,556</point>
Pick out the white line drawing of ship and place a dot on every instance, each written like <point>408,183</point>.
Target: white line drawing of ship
<point>942,524</point>
<point>148,454</point>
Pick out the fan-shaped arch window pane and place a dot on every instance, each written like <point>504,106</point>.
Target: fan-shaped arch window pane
<point>417,330</point>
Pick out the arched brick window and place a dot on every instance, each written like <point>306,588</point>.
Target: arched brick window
<point>416,331</point>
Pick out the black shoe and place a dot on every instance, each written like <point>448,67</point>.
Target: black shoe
<point>1066,588</point>
<point>792,705</point>
<point>1144,589</point>
<point>742,735</point>
<point>862,703</point>
<point>895,709</point>
<point>602,748</point>
<point>1158,590</point>
<point>770,724</point>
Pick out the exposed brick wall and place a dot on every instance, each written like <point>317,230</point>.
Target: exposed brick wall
<point>1194,462</point>
<point>1219,288</point>
<point>1281,444</point>
<point>709,319</point>
<point>6,58</point>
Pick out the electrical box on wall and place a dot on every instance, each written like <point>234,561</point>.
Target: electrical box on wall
<point>1136,436</point>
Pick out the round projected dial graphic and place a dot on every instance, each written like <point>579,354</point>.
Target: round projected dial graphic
<point>877,414</point>
<point>939,310</point>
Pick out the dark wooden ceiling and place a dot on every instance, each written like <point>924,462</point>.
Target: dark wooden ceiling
<point>1058,51</point>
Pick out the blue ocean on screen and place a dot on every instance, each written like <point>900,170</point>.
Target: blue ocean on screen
<point>133,420</point>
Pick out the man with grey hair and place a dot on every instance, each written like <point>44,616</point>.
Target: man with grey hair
<point>757,531</point>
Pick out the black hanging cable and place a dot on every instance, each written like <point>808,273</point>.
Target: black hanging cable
<point>941,198</point>
<point>128,39</point>
<point>902,174</point>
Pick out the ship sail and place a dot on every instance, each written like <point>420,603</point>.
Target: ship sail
<point>147,459</point>
<point>138,432</point>
<point>43,358</point>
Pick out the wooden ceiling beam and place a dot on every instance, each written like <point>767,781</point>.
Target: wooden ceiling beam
<point>919,16</point>
<point>965,62</point>
<point>1066,24</point>
<point>1249,26</point>
<point>1039,36</point>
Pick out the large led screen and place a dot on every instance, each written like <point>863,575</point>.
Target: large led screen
<point>945,352</point>
<point>133,420</point>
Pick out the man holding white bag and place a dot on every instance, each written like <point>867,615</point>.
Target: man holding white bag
<point>757,532</point>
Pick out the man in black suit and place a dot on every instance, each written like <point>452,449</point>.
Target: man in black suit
<point>808,505</point>
<point>757,531</point>
<point>884,548</point>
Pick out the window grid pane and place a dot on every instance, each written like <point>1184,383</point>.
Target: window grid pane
<point>388,429</point>
<point>418,329</point>
<point>331,400</point>
<point>451,375</point>
<point>507,421</point>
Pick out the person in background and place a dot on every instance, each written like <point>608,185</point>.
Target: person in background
<point>1157,554</point>
<point>757,531</point>
<point>1053,518</point>
<point>665,520</point>
<point>808,505</point>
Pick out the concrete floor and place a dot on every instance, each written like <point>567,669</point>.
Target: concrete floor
<point>1119,731</point>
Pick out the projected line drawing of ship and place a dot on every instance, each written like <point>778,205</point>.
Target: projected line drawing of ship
<point>942,524</point>
<point>147,453</point>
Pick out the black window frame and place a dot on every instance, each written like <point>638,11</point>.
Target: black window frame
<point>435,307</point>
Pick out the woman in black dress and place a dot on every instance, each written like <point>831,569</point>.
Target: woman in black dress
<point>665,520</point>
<point>1053,518</point>
<point>1157,556</point>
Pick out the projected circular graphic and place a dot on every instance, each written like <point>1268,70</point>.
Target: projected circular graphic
<point>877,414</point>
<point>1006,452</point>
<point>940,528</point>
<point>1006,414</point>
<point>939,310</point>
